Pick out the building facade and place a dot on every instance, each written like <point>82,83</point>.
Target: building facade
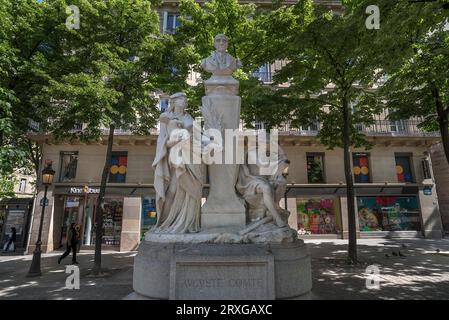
<point>395,187</point>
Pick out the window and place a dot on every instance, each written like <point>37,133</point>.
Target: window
<point>69,162</point>
<point>314,127</point>
<point>171,22</point>
<point>259,125</point>
<point>426,169</point>
<point>361,167</point>
<point>163,104</point>
<point>315,167</point>
<point>22,185</point>
<point>119,167</point>
<point>318,216</point>
<point>389,213</point>
<point>149,215</point>
<point>264,73</point>
<point>404,168</point>
<point>397,126</point>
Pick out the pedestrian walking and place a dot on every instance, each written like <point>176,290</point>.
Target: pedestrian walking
<point>72,242</point>
<point>11,241</point>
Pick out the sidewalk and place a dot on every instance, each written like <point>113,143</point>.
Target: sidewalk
<point>115,284</point>
<point>422,274</point>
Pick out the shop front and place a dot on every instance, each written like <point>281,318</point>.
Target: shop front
<point>320,211</point>
<point>15,212</point>
<point>82,210</point>
<point>318,216</point>
<point>389,214</point>
<point>128,213</point>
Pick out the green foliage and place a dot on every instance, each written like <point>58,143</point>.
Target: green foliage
<point>328,65</point>
<point>418,74</point>
<point>246,28</point>
<point>6,187</point>
<point>102,83</point>
<point>22,72</point>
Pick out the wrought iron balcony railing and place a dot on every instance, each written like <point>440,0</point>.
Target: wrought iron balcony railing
<point>402,128</point>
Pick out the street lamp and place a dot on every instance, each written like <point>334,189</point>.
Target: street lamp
<point>47,179</point>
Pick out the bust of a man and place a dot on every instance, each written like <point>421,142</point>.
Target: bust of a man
<point>220,63</point>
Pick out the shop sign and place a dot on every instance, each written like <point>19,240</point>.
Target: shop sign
<point>427,191</point>
<point>76,190</point>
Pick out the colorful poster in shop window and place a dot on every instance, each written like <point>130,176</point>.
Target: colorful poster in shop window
<point>361,168</point>
<point>403,169</point>
<point>388,213</point>
<point>317,216</point>
<point>119,167</point>
<point>149,217</point>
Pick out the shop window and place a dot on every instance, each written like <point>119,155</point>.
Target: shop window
<point>388,213</point>
<point>71,214</point>
<point>315,167</point>
<point>149,216</point>
<point>361,168</point>
<point>119,167</point>
<point>112,222</point>
<point>17,219</point>
<point>318,216</point>
<point>69,162</point>
<point>404,168</point>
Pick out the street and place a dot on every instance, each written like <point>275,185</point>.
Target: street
<point>418,272</point>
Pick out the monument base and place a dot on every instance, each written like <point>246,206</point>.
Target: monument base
<point>213,219</point>
<point>204,271</point>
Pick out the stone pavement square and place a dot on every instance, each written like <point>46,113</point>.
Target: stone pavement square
<point>421,271</point>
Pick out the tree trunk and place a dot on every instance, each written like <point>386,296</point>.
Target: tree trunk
<point>443,121</point>
<point>352,243</point>
<point>100,203</point>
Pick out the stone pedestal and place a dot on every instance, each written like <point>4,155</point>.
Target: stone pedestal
<point>223,208</point>
<point>221,271</point>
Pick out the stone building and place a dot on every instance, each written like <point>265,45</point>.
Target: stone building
<point>395,186</point>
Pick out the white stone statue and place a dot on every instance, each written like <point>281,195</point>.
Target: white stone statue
<point>263,193</point>
<point>178,185</point>
<point>221,63</point>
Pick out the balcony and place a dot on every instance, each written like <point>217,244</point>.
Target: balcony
<point>383,128</point>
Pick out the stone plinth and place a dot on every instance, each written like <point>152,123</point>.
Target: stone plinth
<point>223,208</point>
<point>222,271</point>
<point>208,272</point>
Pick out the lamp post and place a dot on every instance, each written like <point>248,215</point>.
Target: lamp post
<point>47,179</point>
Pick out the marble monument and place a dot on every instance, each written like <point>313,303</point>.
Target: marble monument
<point>238,245</point>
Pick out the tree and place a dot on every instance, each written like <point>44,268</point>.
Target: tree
<point>245,26</point>
<point>330,79</point>
<point>112,65</point>
<point>23,72</point>
<point>6,187</point>
<point>415,63</point>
